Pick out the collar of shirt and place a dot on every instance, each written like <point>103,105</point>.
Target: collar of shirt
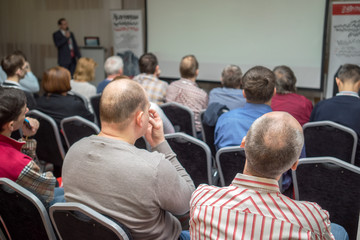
<point>188,82</point>
<point>15,144</point>
<point>11,83</point>
<point>62,31</point>
<point>348,93</point>
<point>257,183</point>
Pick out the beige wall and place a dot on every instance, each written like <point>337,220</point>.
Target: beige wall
<point>28,25</point>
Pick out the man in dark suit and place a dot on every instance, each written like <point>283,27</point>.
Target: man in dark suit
<point>68,51</point>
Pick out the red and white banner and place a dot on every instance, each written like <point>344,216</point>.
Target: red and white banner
<point>344,39</point>
<point>128,31</point>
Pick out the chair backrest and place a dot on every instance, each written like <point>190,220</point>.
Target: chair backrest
<point>334,185</point>
<point>82,97</point>
<point>208,134</point>
<point>142,143</point>
<point>230,161</point>
<point>49,145</point>
<point>95,103</point>
<point>22,214</point>
<point>181,117</point>
<point>75,128</point>
<point>77,221</point>
<point>194,155</point>
<point>327,138</point>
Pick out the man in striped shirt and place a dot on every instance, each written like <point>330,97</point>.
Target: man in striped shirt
<point>252,207</point>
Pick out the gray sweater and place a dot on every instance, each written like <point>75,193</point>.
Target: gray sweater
<point>140,189</point>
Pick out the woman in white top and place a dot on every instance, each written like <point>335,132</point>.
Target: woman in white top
<point>84,72</point>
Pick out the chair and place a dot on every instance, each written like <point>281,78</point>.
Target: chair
<point>49,145</point>
<point>95,103</point>
<point>77,221</point>
<point>208,133</point>
<point>326,138</point>
<point>334,185</point>
<point>230,161</point>
<point>75,128</point>
<point>22,215</point>
<point>142,143</point>
<point>194,155</point>
<point>181,117</point>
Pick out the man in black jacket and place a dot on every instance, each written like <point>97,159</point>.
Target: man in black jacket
<point>68,51</point>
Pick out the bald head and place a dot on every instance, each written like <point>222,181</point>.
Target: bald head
<point>120,100</point>
<point>273,144</point>
<point>189,66</point>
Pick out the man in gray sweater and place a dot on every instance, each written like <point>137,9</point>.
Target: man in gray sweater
<point>140,189</point>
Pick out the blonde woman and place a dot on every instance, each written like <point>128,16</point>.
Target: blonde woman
<point>84,72</point>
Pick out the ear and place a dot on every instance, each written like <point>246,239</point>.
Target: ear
<point>9,126</point>
<point>242,145</point>
<point>138,118</point>
<point>197,72</point>
<point>274,91</point>
<point>244,93</point>
<point>294,166</point>
<point>338,82</point>
<point>157,70</point>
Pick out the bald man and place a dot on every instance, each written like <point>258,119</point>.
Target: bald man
<point>139,189</point>
<point>252,207</point>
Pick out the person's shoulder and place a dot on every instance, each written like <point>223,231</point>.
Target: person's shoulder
<point>57,32</point>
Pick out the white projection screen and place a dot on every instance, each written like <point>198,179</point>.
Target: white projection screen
<point>241,32</point>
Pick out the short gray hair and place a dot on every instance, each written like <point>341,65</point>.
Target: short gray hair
<point>273,145</point>
<point>113,64</point>
<point>231,76</point>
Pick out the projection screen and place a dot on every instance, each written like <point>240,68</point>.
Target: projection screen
<point>242,32</point>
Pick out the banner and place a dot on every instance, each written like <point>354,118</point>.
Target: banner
<point>128,32</point>
<point>344,39</point>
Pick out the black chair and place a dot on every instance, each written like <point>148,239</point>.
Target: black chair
<point>327,138</point>
<point>22,214</point>
<point>230,161</point>
<point>334,185</point>
<point>181,117</point>
<point>95,104</point>
<point>208,133</point>
<point>75,128</point>
<point>142,143</point>
<point>49,145</point>
<point>77,221</point>
<point>194,155</point>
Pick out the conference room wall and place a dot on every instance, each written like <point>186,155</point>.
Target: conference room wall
<point>28,25</point>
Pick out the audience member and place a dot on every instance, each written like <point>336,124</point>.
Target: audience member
<point>149,78</point>
<point>56,102</point>
<point>15,165</point>
<point>135,187</point>
<point>168,127</point>
<point>344,108</point>
<point>286,99</point>
<point>113,67</point>
<point>15,66</point>
<point>231,93</point>
<point>84,73</point>
<point>252,207</point>
<point>29,83</point>
<point>186,92</point>
<point>68,51</point>
<point>258,89</point>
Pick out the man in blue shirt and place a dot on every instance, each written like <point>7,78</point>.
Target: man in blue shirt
<point>231,93</point>
<point>258,89</point>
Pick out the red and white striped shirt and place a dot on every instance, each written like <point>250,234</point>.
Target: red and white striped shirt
<point>253,208</point>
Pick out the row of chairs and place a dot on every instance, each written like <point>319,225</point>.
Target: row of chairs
<point>23,216</point>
